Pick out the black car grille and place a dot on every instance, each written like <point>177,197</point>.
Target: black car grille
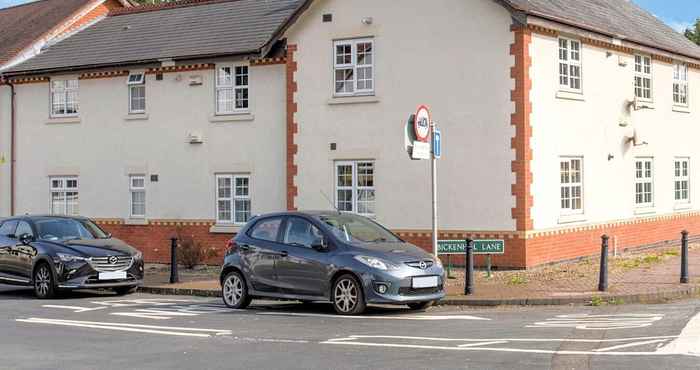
<point>110,264</point>
<point>419,291</point>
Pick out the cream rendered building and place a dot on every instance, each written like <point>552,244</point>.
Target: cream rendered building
<point>545,144</point>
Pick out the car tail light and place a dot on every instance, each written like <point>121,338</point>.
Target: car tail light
<point>231,246</point>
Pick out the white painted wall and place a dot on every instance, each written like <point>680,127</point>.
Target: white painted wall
<point>591,129</point>
<point>104,148</point>
<point>4,151</point>
<point>452,55</point>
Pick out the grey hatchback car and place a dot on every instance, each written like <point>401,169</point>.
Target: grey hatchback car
<point>345,259</point>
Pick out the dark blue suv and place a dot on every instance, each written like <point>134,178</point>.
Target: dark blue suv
<point>344,259</point>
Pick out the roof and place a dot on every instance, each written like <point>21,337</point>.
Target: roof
<point>21,25</point>
<point>622,19</point>
<point>187,30</point>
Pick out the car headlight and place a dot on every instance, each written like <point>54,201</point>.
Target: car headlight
<point>64,257</point>
<point>438,262</point>
<point>376,263</point>
<point>138,256</point>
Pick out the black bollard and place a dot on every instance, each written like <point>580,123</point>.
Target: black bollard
<point>174,277</point>
<point>603,282</point>
<point>469,273</point>
<point>684,257</point>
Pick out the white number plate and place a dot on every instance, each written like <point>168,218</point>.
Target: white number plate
<point>425,282</point>
<point>117,275</point>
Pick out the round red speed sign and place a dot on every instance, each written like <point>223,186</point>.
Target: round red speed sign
<point>422,124</point>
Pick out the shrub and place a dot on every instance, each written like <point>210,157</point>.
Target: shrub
<point>191,253</point>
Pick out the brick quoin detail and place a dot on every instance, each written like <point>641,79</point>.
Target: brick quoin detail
<point>292,127</point>
<point>520,96</point>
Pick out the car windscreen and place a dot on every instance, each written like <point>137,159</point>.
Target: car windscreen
<point>62,229</point>
<point>352,228</point>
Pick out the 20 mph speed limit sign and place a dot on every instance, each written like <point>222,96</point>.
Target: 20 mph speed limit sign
<point>422,124</point>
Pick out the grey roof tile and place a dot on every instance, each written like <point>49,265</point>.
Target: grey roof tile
<point>621,18</point>
<point>192,30</point>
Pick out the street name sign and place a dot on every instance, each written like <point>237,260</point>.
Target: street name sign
<point>488,246</point>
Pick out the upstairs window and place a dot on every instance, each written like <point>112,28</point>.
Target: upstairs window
<point>571,184</point>
<point>137,189</point>
<point>64,196</point>
<point>232,89</point>
<point>680,84</point>
<point>681,180</point>
<point>642,77</point>
<point>137,93</point>
<point>64,98</point>
<point>570,65</point>
<point>644,182</point>
<point>354,67</point>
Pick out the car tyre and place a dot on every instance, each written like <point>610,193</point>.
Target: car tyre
<point>44,284</point>
<point>348,296</point>
<point>420,306</point>
<point>235,291</point>
<point>125,290</point>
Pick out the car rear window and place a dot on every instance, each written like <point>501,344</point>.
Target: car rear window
<point>266,229</point>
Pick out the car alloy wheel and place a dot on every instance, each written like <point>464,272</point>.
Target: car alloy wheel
<point>235,292</point>
<point>347,296</point>
<point>43,282</point>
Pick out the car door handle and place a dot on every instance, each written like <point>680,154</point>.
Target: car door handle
<point>245,247</point>
<point>284,253</point>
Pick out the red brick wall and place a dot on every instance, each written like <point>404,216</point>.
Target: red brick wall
<point>292,127</point>
<point>154,239</point>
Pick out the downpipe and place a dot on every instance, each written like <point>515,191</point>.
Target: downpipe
<point>13,129</point>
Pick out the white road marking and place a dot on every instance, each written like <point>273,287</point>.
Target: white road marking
<point>143,302</point>
<point>75,309</point>
<point>628,345</point>
<point>154,314</point>
<point>599,322</point>
<point>354,340</point>
<point>534,340</point>
<point>150,329</point>
<point>688,341</point>
<point>426,317</point>
<point>481,344</point>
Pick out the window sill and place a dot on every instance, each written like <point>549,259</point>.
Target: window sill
<point>136,222</point>
<point>225,229</point>
<point>644,211</point>
<point>681,109</point>
<point>136,117</point>
<point>682,206</point>
<point>62,120</point>
<point>570,95</point>
<point>570,219</point>
<point>644,104</point>
<point>238,117</point>
<point>367,99</point>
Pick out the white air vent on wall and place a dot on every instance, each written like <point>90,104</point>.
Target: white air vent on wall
<point>195,138</point>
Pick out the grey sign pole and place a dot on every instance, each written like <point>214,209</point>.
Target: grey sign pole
<point>433,173</point>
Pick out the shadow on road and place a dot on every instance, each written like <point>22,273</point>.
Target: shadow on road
<point>325,309</point>
<point>8,292</point>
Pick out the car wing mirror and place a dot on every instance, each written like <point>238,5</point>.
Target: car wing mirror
<point>26,239</point>
<point>319,244</point>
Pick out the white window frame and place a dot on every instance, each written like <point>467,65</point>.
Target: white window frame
<point>680,84</point>
<point>644,180</point>
<point>66,93</point>
<point>354,66</point>
<point>355,188</point>
<point>568,186</point>
<point>133,82</point>
<point>681,175</point>
<point>64,190</point>
<point>641,74</point>
<point>234,87</point>
<point>134,189</point>
<point>233,198</point>
<point>570,59</point>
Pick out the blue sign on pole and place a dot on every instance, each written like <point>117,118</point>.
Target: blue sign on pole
<point>437,143</point>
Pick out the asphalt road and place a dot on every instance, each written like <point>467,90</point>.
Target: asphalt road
<point>103,331</point>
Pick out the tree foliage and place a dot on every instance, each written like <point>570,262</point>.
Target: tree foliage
<point>693,33</point>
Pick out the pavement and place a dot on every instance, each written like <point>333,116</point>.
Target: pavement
<point>91,330</point>
<point>650,276</point>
